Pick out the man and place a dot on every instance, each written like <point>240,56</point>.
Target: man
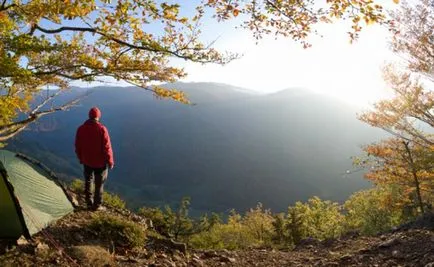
<point>94,150</point>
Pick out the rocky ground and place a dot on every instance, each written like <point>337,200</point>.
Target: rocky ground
<point>71,243</point>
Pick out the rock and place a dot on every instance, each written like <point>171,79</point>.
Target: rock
<point>225,251</point>
<point>332,264</point>
<point>78,237</point>
<point>22,241</point>
<point>196,262</point>
<point>350,235</point>
<point>345,257</point>
<point>424,222</point>
<point>209,254</point>
<point>227,259</point>
<point>171,245</point>
<point>332,253</point>
<point>363,251</point>
<point>177,257</point>
<point>308,243</point>
<point>169,263</point>
<point>389,243</point>
<point>73,198</point>
<point>42,247</point>
<point>364,258</point>
<point>431,264</point>
<point>396,254</point>
<point>162,256</point>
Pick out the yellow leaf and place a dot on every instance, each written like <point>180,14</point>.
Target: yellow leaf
<point>396,1</point>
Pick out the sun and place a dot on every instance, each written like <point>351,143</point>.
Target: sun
<point>333,66</point>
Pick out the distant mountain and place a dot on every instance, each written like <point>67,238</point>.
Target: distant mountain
<point>230,150</point>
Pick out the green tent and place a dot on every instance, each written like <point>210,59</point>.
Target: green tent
<point>30,196</point>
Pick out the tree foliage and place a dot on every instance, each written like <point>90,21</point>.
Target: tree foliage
<point>173,224</point>
<point>411,109</point>
<point>398,162</point>
<point>231,235</point>
<point>316,219</point>
<point>407,160</point>
<point>377,210</point>
<point>297,19</point>
<point>52,42</point>
<point>253,229</point>
<point>259,222</point>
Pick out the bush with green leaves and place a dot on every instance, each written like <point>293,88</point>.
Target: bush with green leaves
<point>259,223</point>
<point>77,186</point>
<point>253,229</point>
<point>161,220</point>
<point>113,201</point>
<point>121,232</point>
<point>375,210</point>
<point>174,224</point>
<point>316,219</point>
<point>233,235</point>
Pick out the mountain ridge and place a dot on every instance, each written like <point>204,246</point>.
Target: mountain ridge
<point>267,148</point>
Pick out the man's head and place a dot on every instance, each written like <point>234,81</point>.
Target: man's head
<point>94,113</point>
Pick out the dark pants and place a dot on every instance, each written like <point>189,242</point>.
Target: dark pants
<point>97,175</point>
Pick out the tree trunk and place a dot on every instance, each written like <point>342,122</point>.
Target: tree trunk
<point>416,180</point>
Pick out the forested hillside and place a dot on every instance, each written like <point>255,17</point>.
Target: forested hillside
<point>230,149</point>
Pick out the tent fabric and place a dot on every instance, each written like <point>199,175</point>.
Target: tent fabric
<point>10,224</point>
<point>41,200</point>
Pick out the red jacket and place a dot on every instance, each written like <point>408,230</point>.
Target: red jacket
<point>92,145</point>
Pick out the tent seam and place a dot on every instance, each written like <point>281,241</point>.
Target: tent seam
<point>17,205</point>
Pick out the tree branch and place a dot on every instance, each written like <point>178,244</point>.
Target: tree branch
<point>36,109</point>
<point>160,50</point>
<point>4,7</point>
<point>11,130</point>
<point>65,28</point>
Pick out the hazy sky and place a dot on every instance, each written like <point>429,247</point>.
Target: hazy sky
<point>332,66</point>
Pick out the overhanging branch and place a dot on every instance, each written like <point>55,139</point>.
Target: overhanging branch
<point>11,130</point>
<point>160,50</point>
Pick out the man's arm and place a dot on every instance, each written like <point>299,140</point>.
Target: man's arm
<point>107,146</point>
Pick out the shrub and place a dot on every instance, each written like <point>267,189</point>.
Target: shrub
<point>232,235</point>
<point>92,256</point>
<point>113,201</point>
<point>77,186</point>
<point>374,210</point>
<point>259,224</point>
<point>160,220</point>
<point>122,232</point>
<point>176,224</point>
<point>316,218</point>
<point>224,236</point>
